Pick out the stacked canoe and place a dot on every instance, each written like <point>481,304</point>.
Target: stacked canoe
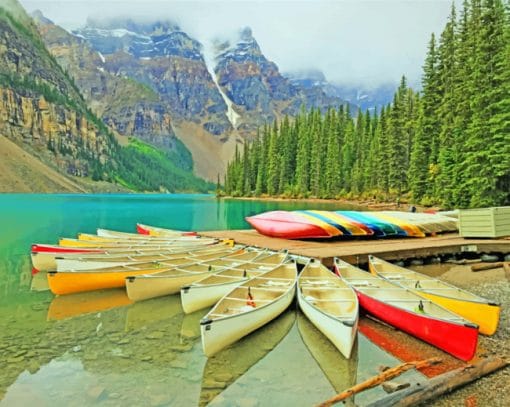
<point>313,224</point>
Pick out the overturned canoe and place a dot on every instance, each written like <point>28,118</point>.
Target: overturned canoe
<point>330,304</point>
<point>248,307</point>
<point>481,311</point>
<point>207,291</point>
<point>411,313</point>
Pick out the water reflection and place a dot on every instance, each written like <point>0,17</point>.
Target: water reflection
<point>340,372</point>
<point>228,365</point>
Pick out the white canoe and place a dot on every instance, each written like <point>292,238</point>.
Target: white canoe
<point>209,290</point>
<point>330,304</point>
<point>90,262</point>
<point>46,261</point>
<point>126,243</point>
<point>248,307</point>
<point>117,234</point>
<point>145,286</point>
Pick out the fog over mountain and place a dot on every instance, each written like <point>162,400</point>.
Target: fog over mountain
<point>366,43</point>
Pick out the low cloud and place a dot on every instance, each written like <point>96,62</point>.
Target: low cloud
<point>352,42</point>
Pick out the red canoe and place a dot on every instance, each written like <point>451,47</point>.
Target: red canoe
<point>411,313</point>
<point>48,248</point>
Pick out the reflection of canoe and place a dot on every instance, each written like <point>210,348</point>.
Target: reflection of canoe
<point>474,308</point>
<point>341,372</point>
<point>44,256</point>
<point>157,231</point>
<point>411,313</point>
<point>170,281</point>
<point>330,304</point>
<point>405,347</point>
<point>39,282</point>
<point>178,257</point>
<point>149,314</point>
<point>248,307</point>
<point>68,306</point>
<point>226,366</point>
<point>209,290</point>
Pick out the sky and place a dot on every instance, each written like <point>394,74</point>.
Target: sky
<point>353,42</point>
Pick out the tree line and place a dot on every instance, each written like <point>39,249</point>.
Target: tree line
<point>447,145</point>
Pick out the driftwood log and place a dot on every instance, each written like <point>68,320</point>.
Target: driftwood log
<point>435,387</point>
<point>487,266</point>
<point>387,374</point>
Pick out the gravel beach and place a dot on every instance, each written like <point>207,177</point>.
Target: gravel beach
<point>492,390</point>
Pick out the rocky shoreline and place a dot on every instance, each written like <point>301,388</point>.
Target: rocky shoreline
<point>492,390</point>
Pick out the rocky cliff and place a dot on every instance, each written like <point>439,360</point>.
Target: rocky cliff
<point>43,112</point>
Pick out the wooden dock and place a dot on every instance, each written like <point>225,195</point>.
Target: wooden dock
<point>357,251</point>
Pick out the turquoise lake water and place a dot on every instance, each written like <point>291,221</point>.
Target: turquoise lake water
<point>73,351</point>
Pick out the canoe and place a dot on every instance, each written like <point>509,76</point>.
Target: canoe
<point>379,226</point>
<point>410,228</point>
<point>207,291</point>
<point>288,225</point>
<point>117,234</point>
<point>177,257</point>
<point>234,361</point>
<point>330,304</point>
<point>138,238</point>
<point>481,311</point>
<point>411,313</point>
<point>170,281</point>
<point>157,231</point>
<point>248,307</point>
<point>430,223</point>
<point>76,243</point>
<point>68,282</point>
<point>44,256</point>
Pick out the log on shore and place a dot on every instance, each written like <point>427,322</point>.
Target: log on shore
<point>486,266</point>
<point>437,386</point>
<point>387,374</point>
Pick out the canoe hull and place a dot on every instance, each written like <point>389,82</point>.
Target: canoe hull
<point>194,298</point>
<point>220,333</point>
<point>285,225</point>
<point>61,283</point>
<point>145,287</point>
<point>486,316</point>
<point>460,340</point>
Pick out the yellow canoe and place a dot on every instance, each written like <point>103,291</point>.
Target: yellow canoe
<point>483,312</point>
<point>69,242</point>
<point>69,282</point>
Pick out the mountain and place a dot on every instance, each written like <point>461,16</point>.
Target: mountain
<point>258,91</point>
<point>44,113</point>
<point>170,65</point>
<point>365,98</point>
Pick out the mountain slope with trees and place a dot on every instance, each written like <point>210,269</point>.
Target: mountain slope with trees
<point>448,145</point>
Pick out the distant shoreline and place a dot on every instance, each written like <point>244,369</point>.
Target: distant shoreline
<point>370,204</point>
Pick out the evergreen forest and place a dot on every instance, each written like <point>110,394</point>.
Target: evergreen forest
<point>446,145</point>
